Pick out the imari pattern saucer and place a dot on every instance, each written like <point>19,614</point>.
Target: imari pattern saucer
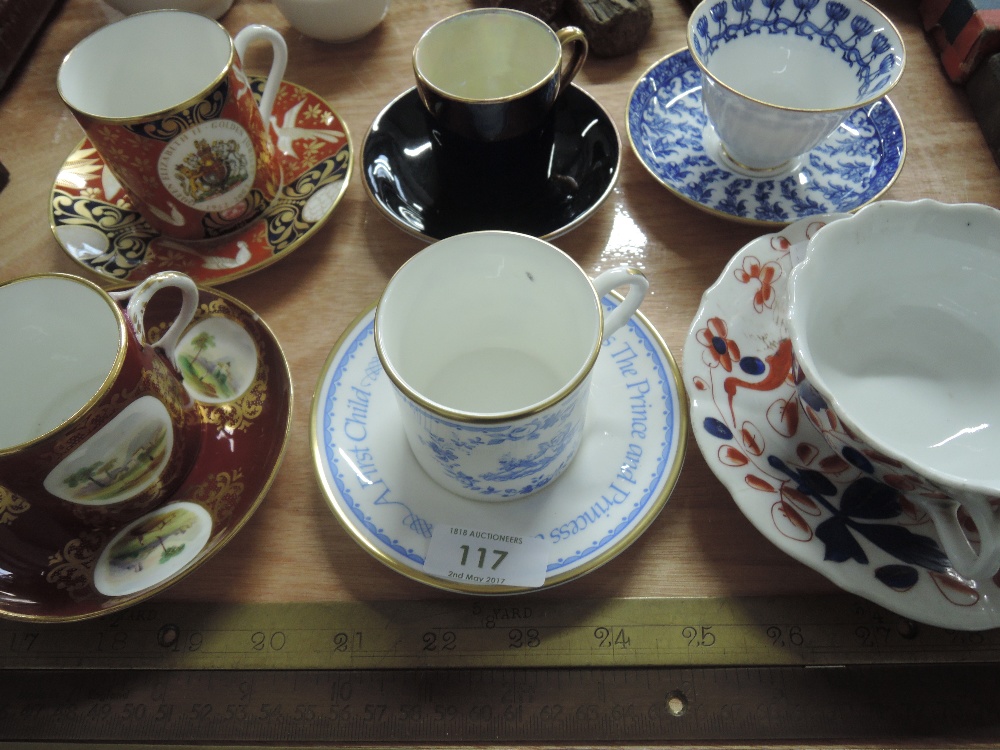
<point>627,466</point>
<point>673,139</point>
<point>95,223</point>
<point>237,374</point>
<point>798,492</point>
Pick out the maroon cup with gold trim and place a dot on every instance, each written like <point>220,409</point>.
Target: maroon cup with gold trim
<point>96,426</point>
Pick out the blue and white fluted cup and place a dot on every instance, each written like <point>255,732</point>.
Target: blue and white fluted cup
<point>778,78</point>
<point>489,339</point>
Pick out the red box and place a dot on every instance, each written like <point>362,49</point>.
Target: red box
<point>965,32</point>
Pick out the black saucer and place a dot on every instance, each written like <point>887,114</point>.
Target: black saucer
<point>428,187</point>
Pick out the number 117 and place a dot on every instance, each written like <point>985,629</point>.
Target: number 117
<point>481,551</point>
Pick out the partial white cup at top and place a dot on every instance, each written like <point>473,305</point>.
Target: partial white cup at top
<point>779,78</point>
<point>893,316</point>
<point>490,339</point>
<point>335,21</point>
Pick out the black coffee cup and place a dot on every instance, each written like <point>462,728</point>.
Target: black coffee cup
<point>493,74</point>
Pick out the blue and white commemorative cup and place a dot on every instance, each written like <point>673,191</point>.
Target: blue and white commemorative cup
<point>489,339</point>
<point>779,78</point>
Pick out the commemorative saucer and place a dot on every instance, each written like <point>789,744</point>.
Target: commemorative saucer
<point>801,495</point>
<point>628,464</point>
<point>237,373</point>
<point>94,222</point>
<point>405,172</point>
<point>671,135</point>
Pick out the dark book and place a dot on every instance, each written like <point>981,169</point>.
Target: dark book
<point>965,33</point>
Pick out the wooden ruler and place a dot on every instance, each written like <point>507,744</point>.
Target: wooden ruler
<point>520,670</point>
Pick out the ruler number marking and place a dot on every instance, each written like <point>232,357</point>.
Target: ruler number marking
<point>304,712</point>
<point>21,642</point>
<point>445,712</point>
<point>100,712</point>
<point>445,641</point>
<point>550,712</point>
<point>375,711</point>
<point>200,711</point>
<point>341,691</point>
<point>613,638</point>
<point>698,636</point>
<point>236,712</point>
<point>269,711</point>
<point>409,712</point>
<point>344,641</point>
<point>873,636</point>
<point>785,636</point>
<point>340,713</point>
<point>164,712</point>
<point>524,638</point>
<point>169,637</point>
<point>261,641</point>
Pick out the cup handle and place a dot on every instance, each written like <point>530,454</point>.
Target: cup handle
<point>139,297</point>
<point>252,33</point>
<point>976,565</point>
<point>613,278</point>
<point>571,36</point>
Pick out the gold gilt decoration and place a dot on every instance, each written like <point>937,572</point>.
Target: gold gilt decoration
<point>71,568</point>
<point>220,494</point>
<point>241,413</point>
<point>285,222</point>
<point>127,232</point>
<point>11,506</point>
<point>164,382</point>
<point>167,128</point>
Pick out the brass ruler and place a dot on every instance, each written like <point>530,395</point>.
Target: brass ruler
<point>496,670</point>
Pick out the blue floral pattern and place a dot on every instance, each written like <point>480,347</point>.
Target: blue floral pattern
<point>869,53</point>
<point>671,136</point>
<point>529,453</point>
<point>616,486</point>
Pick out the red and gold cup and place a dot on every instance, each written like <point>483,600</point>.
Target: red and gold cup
<point>164,99</point>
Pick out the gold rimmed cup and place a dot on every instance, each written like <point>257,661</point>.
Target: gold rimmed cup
<point>490,339</point>
<point>491,74</point>
<point>97,426</point>
<point>182,133</point>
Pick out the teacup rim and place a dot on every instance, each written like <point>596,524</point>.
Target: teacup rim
<point>805,362</point>
<point>113,370</point>
<point>156,114</point>
<point>512,415</point>
<point>897,43</point>
<point>485,10</point>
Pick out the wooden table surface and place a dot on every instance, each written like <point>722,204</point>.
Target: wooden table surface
<point>294,548</point>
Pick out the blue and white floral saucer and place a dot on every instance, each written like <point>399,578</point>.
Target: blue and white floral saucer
<point>799,493</point>
<point>628,463</point>
<point>673,139</point>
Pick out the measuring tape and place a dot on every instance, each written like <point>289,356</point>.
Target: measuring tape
<point>520,669</point>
